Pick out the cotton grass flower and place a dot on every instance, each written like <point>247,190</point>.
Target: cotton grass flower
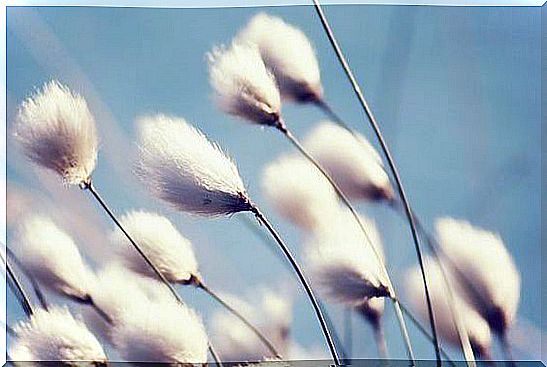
<point>162,243</point>
<point>113,284</point>
<point>346,271</point>
<point>51,257</point>
<point>55,335</point>
<point>477,328</point>
<point>181,166</point>
<point>272,314</point>
<point>57,131</point>
<point>243,85</point>
<point>161,332</point>
<point>288,53</point>
<point>351,161</point>
<point>485,270</point>
<point>299,192</point>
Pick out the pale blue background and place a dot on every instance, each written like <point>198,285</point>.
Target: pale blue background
<point>456,90</point>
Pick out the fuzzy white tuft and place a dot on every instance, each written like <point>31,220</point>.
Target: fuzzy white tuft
<point>243,85</point>
<point>181,166</point>
<point>485,270</point>
<point>55,335</point>
<point>477,328</point>
<point>160,240</point>
<point>343,264</point>
<point>161,332</point>
<point>113,284</point>
<point>52,257</point>
<point>372,310</point>
<point>352,163</point>
<point>299,192</point>
<point>57,131</point>
<point>273,316</point>
<point>288,53</point>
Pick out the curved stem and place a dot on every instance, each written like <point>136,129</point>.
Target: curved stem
<point>91,188</point>
<point>17,288</point>
<point>332,348</point>
<point>35,286</point>
<point>385,149</point>
<point>507,350</point>
<point>199,284</point>
<point>404,332</point>
<point>380,340</point>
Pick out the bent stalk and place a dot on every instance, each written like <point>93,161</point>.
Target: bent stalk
<point>391,163</point>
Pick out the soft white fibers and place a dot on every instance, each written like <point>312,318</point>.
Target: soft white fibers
<point>160,241</point>
<point>57,131</point>
<point>288,53</point>
<point>477,328</point>
<point>342,262</point>
<point>352,162</point>
<point>180,165</point>
<point>484,268</point>
<point>52,257</point>
<point>55,335</point>
<point>299,192</point>
<point>243,85</point>
<point>161,332</point>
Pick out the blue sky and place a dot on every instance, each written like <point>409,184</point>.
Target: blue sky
<point>456,91</point>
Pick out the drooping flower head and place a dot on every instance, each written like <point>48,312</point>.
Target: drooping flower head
<point>299,192</point>
<point>288,53</point>
<point>161,242</point>
<point>55,335</point>
<point>116,291</point>
<point>486,271</point>
<point>180,165</point>
<point>477,328</point>
<point>372,310</point>
<point>342,263</point>
<point>52,257</point>
<point>352,163</point>
<point>165,332</point>
<point>57,131</point>
<point>243,85</point>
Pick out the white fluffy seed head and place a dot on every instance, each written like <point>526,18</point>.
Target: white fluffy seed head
<point>477,328</point>
<point>160,240</point>
<point>342,262</point>
<point>288,53</point>
<point>113,284</point>
<point>52,257</point>
<point>243,85</point>
<point>352,163</point>
<point>484,268</point>
<point>180,165</point>
<point>55,335</point>
<point>299,192</point>
<point>57,131</point>
<point>165,332</point>
<point>272,315</point>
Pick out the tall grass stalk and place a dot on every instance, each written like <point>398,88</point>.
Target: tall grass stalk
<point>391,163</point>
<point>201,285</point>
<point>18,289</point>
<point>282,127</point>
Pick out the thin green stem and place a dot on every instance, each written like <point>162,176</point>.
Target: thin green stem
<point>391,163</point>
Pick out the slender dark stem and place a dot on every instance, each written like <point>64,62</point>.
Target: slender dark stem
<point>17,289</point>
<point>35,286</point>
<point>326,108</point>
<point>391,163</point>
<point>199,284</point>
<point>426,333</point>
<point>91,188</point>
<point>282,127</point>
<point>332,348</point>
<point>214,355</point>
